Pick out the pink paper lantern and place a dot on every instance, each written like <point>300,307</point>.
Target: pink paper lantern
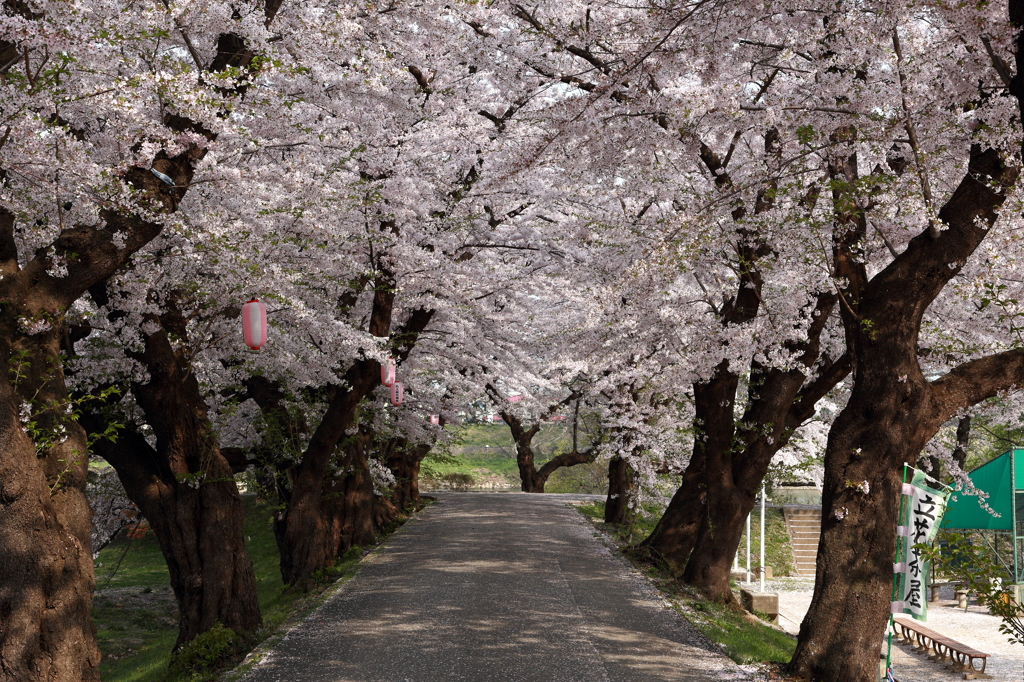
<point>434,420</point>
<point>387,372</point>
<point>254,323</point>
<point>396,393</point>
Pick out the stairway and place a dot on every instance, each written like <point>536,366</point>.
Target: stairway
<point>804,524</point>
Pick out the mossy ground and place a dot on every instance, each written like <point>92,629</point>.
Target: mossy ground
<point>742,638</point>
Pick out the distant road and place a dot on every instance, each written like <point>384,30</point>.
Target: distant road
<point>495,587</point>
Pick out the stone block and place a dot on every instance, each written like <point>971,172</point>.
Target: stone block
<point>761,602</point>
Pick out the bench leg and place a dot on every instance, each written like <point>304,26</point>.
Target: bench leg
<point>924,646</point>
<point>973,673</point>
<point>941,653</point>
<point>958,664</point>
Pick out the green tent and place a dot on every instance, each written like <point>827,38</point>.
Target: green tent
<point>1003,479</point>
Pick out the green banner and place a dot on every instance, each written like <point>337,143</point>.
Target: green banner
<point>921,513</point>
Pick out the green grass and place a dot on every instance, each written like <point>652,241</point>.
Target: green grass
<point>742,640</point>
<point>136,613</point>
<point>741,637</point>
<point>642,525</point>
<point>778,552</point>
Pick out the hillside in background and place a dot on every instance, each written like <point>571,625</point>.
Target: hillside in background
<point>483,456</point>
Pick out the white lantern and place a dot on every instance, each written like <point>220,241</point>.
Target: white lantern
<point>254,324</point>
<point>387,372</point>
<point>396,393</point>
<point>434,420</point>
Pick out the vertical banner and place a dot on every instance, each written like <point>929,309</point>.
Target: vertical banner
<point>923,507</point>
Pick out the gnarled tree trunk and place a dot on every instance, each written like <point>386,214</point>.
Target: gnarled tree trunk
<point>700,532</point>
<point>350,497</point>
<point>304,528</point>
<point>186,490</point>
<point>533,479</point>
<point>892,412</point>
<point>404,462</point>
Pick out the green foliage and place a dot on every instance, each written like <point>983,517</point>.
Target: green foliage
<point>590,478</point>
<point>46,421</point>
<point>208,652</point>
<point>961,556</point>
<point>805,134</point>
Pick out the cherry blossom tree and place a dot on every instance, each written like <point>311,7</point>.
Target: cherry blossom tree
<point>101,144</point>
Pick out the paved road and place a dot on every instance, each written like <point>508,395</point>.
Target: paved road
<point>488,587</point>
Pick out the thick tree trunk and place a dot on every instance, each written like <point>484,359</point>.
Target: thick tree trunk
<point>868,444</point>
<point>527,467</point>
<point>621,490</point>
<point>46,629</point>
<point>700,533</point>
<point>404,462</point>
<point>186,490</point>
<point>709,565</point>
<point>351,499</point>
<point>892,412</point>
<point>46,573</point>
<point>306,532</point>
<point>197,521</point>
<point>676,533</point>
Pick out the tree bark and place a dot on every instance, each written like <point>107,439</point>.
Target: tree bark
<point>304,528</point>
<point>404,462</point>
<point>963,438</point>
<point>621,490</point>
<point>678,530</point>
<point>779,402</point>
<point>186,490</point>
<point>46,628</point>
<point>350,497</point>
<point>533,479</point>
<point>892,412</point>
<point>729,464</point>
<point>675,534</point>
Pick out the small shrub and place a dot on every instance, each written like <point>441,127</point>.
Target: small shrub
<point>457,481</point>
<point>207,652</point>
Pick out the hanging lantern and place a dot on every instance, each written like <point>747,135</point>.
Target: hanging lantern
<point>387,372</point>
<point>254,323</point>
<point>434,420</point>
<point>396,393</point>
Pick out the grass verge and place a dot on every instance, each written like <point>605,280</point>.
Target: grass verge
<point>741,636</point>
<point>136,614</point>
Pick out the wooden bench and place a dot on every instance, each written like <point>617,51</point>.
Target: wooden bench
<point>958,657</point>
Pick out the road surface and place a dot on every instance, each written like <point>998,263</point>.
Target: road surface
<point>502,587</point>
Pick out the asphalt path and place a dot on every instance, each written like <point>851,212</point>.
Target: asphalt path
<point>495,587</point>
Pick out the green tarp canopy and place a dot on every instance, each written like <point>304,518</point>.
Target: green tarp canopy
<point>1001,478</point>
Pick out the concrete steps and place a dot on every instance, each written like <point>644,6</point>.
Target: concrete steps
<point>804,524</point>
